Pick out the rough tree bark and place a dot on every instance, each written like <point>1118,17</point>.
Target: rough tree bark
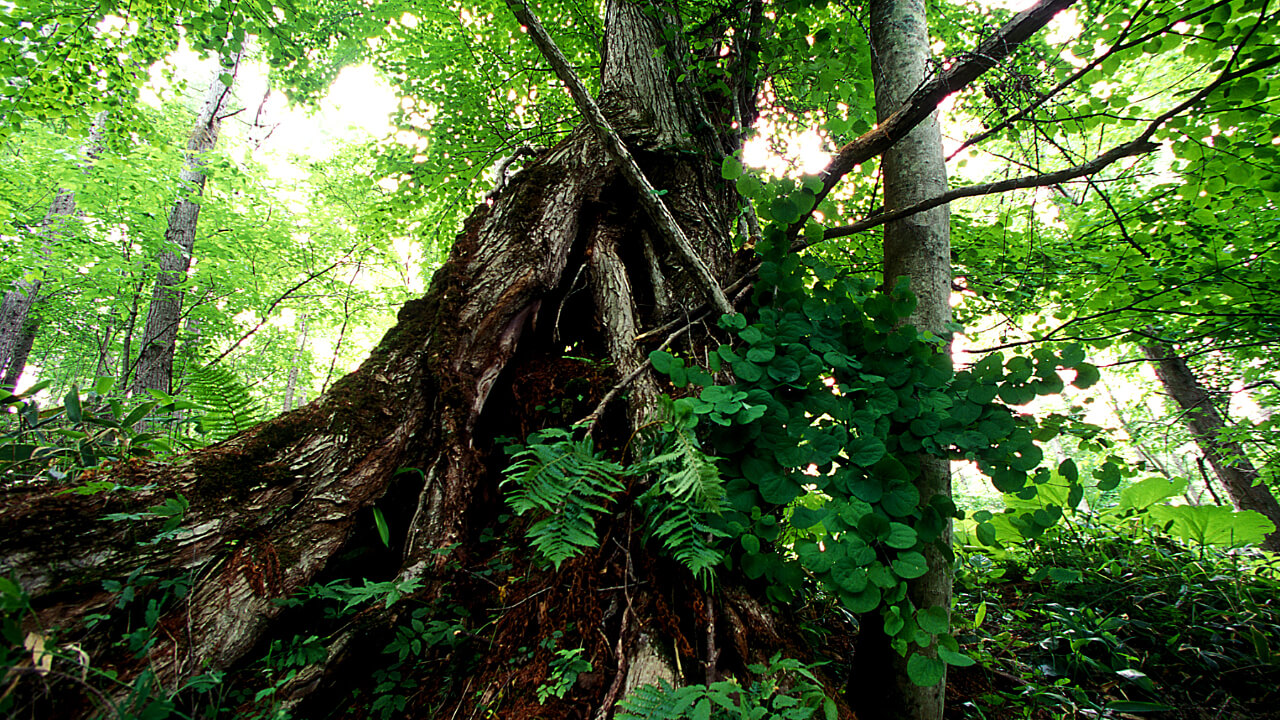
<point>917,247</point>
<point>1207,426</point>
<point>21,351</point>
<point>17,327</point>
<point>271,509</point>
<point>154,367</point>
<point>502,333</point>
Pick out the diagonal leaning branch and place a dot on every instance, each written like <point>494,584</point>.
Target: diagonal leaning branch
<point>925,101</point>
<point>1134,147</point>
<point>1137,146</point>
<point>649,199</point>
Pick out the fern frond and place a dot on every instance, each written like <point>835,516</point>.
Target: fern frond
<point>569,482</point>
<point>229,406</point>
<point>657,702</point>
<point>689,540</point>
<point>688,489</point>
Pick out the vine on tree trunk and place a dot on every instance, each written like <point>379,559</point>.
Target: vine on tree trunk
<point>813,496</point>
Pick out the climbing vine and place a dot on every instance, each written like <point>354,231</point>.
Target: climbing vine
<point>819,443</point>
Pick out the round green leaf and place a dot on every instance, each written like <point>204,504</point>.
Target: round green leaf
<point>747,371</point>
<point>901,537</point>
<point>952,657</point>
<point>933,620</point>
<point>1086,376</point>
<point>910,565</point>
<point>865,451</point>
<point>849,577</point>
<point>731,168</point>
<point>861,602</point>
<point>777,488</point>
<point>900,500</point>
<point>925,671</point>
<point>867,489</point>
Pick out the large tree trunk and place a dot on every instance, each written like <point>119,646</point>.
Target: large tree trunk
<point>288,503</point>
<point>917,247</point>
<point>16,326</point>
<point>154,367</point>
<point>1207,426</point>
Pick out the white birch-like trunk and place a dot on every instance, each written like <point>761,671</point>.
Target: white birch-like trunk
<point>291,386</point>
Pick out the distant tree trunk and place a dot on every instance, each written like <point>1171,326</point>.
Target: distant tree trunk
<point>154,367</point>
<point>21,351</point>
<point>1207,426</point>
<point>16,306</point>
<point>130,327</point>
<point>296,365</point>
<point>103,366</point>
<point>917,247</point>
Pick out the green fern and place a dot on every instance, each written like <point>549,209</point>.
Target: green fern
<point>228,405</point>
<point>687,491</point>
<point>786,690</point>
<point>658,702</point>
<point>568,482</point>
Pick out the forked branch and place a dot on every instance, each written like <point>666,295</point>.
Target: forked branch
<point>925,100</point>
<point>613,145</point>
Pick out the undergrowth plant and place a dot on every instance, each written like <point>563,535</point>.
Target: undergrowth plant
<point>1104,615</point>
<point>784,689</point>
<point>86,429</point>
<point>59,441</point>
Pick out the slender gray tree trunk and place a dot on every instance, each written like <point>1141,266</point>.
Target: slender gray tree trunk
<point>15,310</point>
<point>292,385</point>
<point>917,247</point>
<point>154,367</point>
<point>1207,426</point>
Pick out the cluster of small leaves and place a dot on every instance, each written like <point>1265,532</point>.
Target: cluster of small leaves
<point>785,689</point>
<point>14,604</point>
<point>172,511</point>
<point>1034,509</point>
<point>1111,614</point>
<point>425,628</point>
<point>59,441</point>
<point>564,670</point>
<point>349,597</point>
<point>49,673</point>
<point>836,401</point>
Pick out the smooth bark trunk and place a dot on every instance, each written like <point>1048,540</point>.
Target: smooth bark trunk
<point>154,367</point>
<point>917,247</point>
<point>1207,427</point>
